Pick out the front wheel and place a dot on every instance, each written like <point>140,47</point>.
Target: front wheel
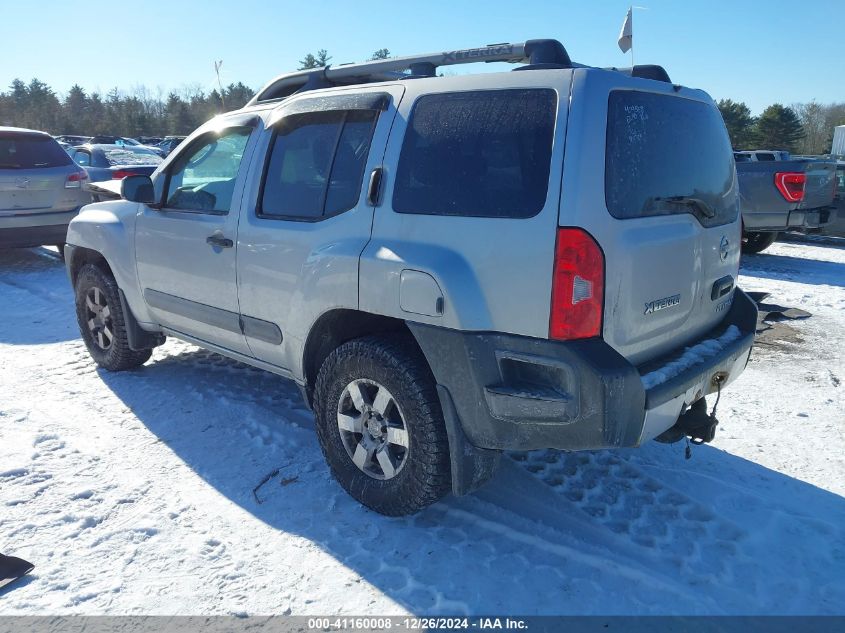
<point>755,242</point>
<point>380,425</point>
<point>102,323</point>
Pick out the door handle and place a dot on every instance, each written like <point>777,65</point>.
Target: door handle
<point>374,187</point>
<point>218,240</point>
<point>721,287</point>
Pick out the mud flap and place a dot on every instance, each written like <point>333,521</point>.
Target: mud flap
<point>472,467</point>
<point>137,337</point>
<point>12,568</point>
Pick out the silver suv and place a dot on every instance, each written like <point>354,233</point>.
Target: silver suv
<point>41,189</point>
<point>448,267</point>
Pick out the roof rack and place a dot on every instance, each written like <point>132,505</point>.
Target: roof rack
<point>645,71</point>
<point>537,53</point>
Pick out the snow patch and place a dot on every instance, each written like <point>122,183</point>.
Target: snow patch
<point>692,356</point>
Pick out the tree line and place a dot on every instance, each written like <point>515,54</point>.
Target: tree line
<point>805,128</point>
<point>140,112</point>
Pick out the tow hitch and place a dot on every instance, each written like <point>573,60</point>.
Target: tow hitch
<point>695,423</point>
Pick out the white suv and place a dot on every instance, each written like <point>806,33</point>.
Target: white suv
<point>449,267</point>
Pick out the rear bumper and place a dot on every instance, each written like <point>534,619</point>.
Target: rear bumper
<point>25,230</point>
<point>517,393</point>
<point>813,219</point>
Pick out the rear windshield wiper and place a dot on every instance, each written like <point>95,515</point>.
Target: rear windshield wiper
<point>696,203</point>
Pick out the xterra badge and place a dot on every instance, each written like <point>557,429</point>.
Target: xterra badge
<point>662,304</point>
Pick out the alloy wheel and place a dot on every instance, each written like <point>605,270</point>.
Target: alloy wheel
<point>98,318</point>
<point>372,428</point>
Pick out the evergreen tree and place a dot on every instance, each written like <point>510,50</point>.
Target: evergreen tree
<point>381,53</point>
<point>179,119</point>
<point>75,118</point>
<point>739,122</point>
<point>778,128</point>
<point>237,95</point>
<point>315,61</point>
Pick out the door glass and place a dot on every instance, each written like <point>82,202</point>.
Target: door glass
<point>203,177</point>
<point>483,153</point>
<point>317,164</point>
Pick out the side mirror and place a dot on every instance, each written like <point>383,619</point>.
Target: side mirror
<point>137,189</point>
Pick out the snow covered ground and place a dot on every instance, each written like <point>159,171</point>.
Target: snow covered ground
<point>133,493</point>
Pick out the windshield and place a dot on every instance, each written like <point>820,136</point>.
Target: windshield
<point>131,156</point>
<point>28,151</point>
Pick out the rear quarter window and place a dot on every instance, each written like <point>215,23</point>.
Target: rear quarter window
<point>663,154</point>
<point>484,153</point>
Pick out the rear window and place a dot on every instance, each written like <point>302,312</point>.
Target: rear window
<point>483,154</point>
<point>668,155</point>
<point>130,156</point>
<point>30,151</point>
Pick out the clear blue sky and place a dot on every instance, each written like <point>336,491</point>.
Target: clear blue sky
<point>757,51</point>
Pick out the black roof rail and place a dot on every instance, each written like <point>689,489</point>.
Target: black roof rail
<point>543,53</point>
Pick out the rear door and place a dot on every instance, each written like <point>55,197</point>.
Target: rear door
<point>649,172</point>
<point>307,216</point>
<point>33,172</point>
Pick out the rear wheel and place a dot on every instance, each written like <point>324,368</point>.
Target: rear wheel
<point>380,425</point>
<point>755,242</point>
<point>102,322</point>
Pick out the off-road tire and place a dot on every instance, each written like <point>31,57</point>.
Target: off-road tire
<point>396,363</point>
<point>118,356</point>
<point>756,242</point>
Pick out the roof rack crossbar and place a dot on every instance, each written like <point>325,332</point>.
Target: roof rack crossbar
<point>545,51</point>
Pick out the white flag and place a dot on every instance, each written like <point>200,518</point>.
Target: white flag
<point>626,35</point>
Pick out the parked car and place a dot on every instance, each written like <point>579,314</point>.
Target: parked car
<point>150,141</point>
<point>40,189</point>
<point>105,139</point>
<point>72,139</point>
<point>114,162</point>
<point>761,155</point>
<point>775,196</point>
<point>406,251</point>
<point>108,139</point>
<point>170,143</point>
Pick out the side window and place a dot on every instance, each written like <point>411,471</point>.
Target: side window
<point>83,158</point>
<point>203,177</point>
<point>316,164</point>
<point>484,153</point>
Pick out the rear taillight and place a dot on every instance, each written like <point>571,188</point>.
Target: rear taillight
<point>791,185</point>
<point>120,174</point>
<point>577,286</point>
<point>75,180</point>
